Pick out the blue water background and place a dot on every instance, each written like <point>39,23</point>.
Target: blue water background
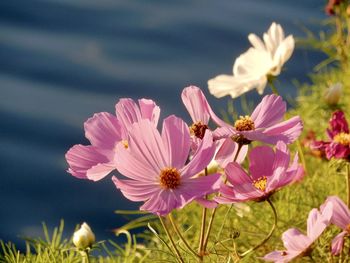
<point>63,60</point>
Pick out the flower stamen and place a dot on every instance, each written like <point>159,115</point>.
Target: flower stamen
<point>244,123</point>
<point>260,183</point>
<point>169,178</point>
<point>198,129</point>
<point>342,138</point>
<point>125,144</point>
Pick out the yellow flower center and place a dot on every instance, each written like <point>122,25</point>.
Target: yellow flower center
<point>244,123</point>
<point>198,129</point>
<point>125,144</point>
<point>260,183</point>
<point>342,138</point>
<point>169,178</point>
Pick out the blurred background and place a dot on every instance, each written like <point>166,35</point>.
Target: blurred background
<point>63,60</point>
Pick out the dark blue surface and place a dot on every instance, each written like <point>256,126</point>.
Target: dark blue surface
<point>63,60</point>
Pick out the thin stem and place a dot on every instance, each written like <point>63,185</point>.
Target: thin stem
<point>172,221</point>
<point>85,256</point>
<point>269,234</point>
<point>273,87</point>
<point>211,220</point>
<point>171,240</point>
<point>223,222</point>
<point>348,183</point>
<point>202,233</point>
<point>301,155</point>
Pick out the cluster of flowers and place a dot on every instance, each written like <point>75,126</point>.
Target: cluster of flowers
<point>164,169</point>
<point>168,169</point>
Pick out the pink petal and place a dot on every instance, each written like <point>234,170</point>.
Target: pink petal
<point>137,190</point>
<point>196,104</point>
<point>103,130</point>
<point>341,213</point>
<point>177,141</point>
<point>162,203</point>
<point>338,243</point>
<point>147,145</point>
<point>149,110</point>
<point>223,133</point>
<point>269,111</point>
<point>100,171</point>
<point>82,158</point>
<point>294,173</point>
<point>287,131</point>
<point>261,160</point>
<point>337,150</point>
<point>228,151</point>
<point>236,175</point>
<point>206,203</point>
<point>338,124</point>
<point>134,165</point>
<point>127,112</point>
<point>201,158</point>
<point>198,187</point>
<point>294,240</point>
<point>240,193</point>
<point>317,222</point>
<point>279,167</point>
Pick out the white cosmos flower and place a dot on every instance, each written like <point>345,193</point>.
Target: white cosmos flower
<point>253,68</point>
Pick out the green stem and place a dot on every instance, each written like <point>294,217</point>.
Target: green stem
<point>85,256</point>
<point>273,87</point>
<point>202,233</point>
<point>211,220</point>
<point>172,221</point>
<point>348,184</point>
<point>223,222</point>
<point>171,240</point>
<point>269,234</point>
<point>301,155</point>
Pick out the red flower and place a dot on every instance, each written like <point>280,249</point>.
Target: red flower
<point>338,133</point>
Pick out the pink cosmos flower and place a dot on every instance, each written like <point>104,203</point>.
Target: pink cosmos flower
<point>338,133</point>
<point>298,244</point>
<point>269,171</point>
<point>265,124</point>
<point>340,218</point>
<point>155,165</point>
<point>105,131</point>
<point>199,110</point>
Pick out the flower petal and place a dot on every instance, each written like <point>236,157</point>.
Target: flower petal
<point>103,130</point>
<point>82,158</point>
<point>287,131</point>
<point>341,213</point>
<point>338,243</point>
<point>149,110</point>
<point>261,160</point>
<point>269,111</point>
<point>317,222</point>
<point>201,157</point>
<point>136,190</point>
<point>196,104</point>
<point>162,203</point>
<point>280,256</point>
<point>294,240</point>
<point>228,151</point>
<point>127,112</point>
<point>177,141</point>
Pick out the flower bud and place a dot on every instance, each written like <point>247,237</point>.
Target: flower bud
<point>83,237</point>
<point>333,93</point>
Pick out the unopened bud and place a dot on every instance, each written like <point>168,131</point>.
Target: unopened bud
<point>83,237</point>
<point>333,93</point>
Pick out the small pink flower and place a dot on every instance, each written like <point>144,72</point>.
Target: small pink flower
<point>338,133</point>
<point>200,112</point>
<point>265,124</point>
<point>340,218</point>
<point>155,165</point>
<point>269,171</point>
<point>105,131</point>
<point>298,244</point>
